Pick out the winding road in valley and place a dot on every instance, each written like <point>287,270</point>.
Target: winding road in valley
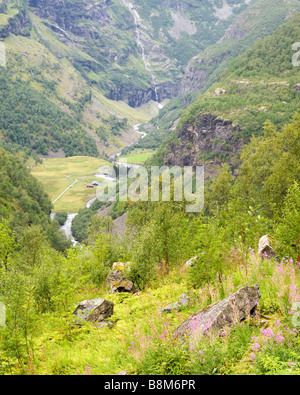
<point>65,191</point>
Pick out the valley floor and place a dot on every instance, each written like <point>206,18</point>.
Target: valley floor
<point>65,180</point>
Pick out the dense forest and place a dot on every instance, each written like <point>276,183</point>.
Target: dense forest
<point>31,122</point>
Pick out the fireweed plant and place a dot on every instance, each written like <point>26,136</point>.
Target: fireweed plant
<point>142,342</point>
<point>255,346</point>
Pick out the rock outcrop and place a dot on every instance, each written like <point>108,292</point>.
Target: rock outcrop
<point>265,249</point>
<point>16,25</point>
<point>297,87</point>
<point>94,310</point>
<point>207,139</point>
<point>183,301</point>
<point>117,279</point>
<point>191,262</point>
<point>236,308</point>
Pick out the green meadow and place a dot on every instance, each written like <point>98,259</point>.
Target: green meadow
<point>137,156</point>
<point>57,175</point>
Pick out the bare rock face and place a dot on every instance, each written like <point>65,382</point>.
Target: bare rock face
<point>297,87</point>
<point>94,310</point>
<point>227,312</point>
<point>183,301</point>
<point>265,249</point>
<point>122,373</point>
<point>207,134</point>
<point>220,92</point>
<point>192,261</point>
<point>117,281</point>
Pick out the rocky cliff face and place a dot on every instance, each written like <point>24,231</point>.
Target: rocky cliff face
<point>141,47</point>
<point>73,15</point>
<point>137,97</point>
<point>16,25</point>
<point>208,141</point>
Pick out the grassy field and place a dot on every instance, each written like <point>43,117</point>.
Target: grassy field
<point>57,175</point>
<point>137,156</point>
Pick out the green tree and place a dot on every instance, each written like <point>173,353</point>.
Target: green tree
<point>288,229</point>
<point>7,243</point>
<point>220,190</point>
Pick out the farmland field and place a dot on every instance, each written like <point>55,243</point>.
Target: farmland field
<point>57,175</point>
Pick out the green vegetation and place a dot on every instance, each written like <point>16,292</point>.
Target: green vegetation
<point>40,336</point>
<point>259,20</point>
<point>258,85</point>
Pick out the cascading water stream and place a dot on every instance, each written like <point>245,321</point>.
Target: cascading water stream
<point>137,23</point>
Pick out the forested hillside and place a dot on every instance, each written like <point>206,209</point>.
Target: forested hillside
<point>259,20</point>
<point>36,123</point>
<point>260,85</point>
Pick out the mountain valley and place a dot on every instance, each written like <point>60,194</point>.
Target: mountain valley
<point>149,189</point>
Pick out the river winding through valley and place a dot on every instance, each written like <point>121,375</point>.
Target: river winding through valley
<point>67,227</point>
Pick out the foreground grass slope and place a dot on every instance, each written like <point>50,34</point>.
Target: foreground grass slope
<point>141,341</point>
<point>40,335</point>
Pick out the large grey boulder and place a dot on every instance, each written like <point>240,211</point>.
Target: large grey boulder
<point>117,279</point>
<point>265,249</point>
<point>93,310</point>
<point>192,261</point>
<point>183,301</point>
<point>297,87</point>
<point>227,312</point>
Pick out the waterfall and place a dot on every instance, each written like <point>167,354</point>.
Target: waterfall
<point>137,23</point>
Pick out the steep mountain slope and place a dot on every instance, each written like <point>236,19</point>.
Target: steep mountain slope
<point>257,21</point>
<point>260,85</point>
<point>148,42</point>
<point>46,103</point>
